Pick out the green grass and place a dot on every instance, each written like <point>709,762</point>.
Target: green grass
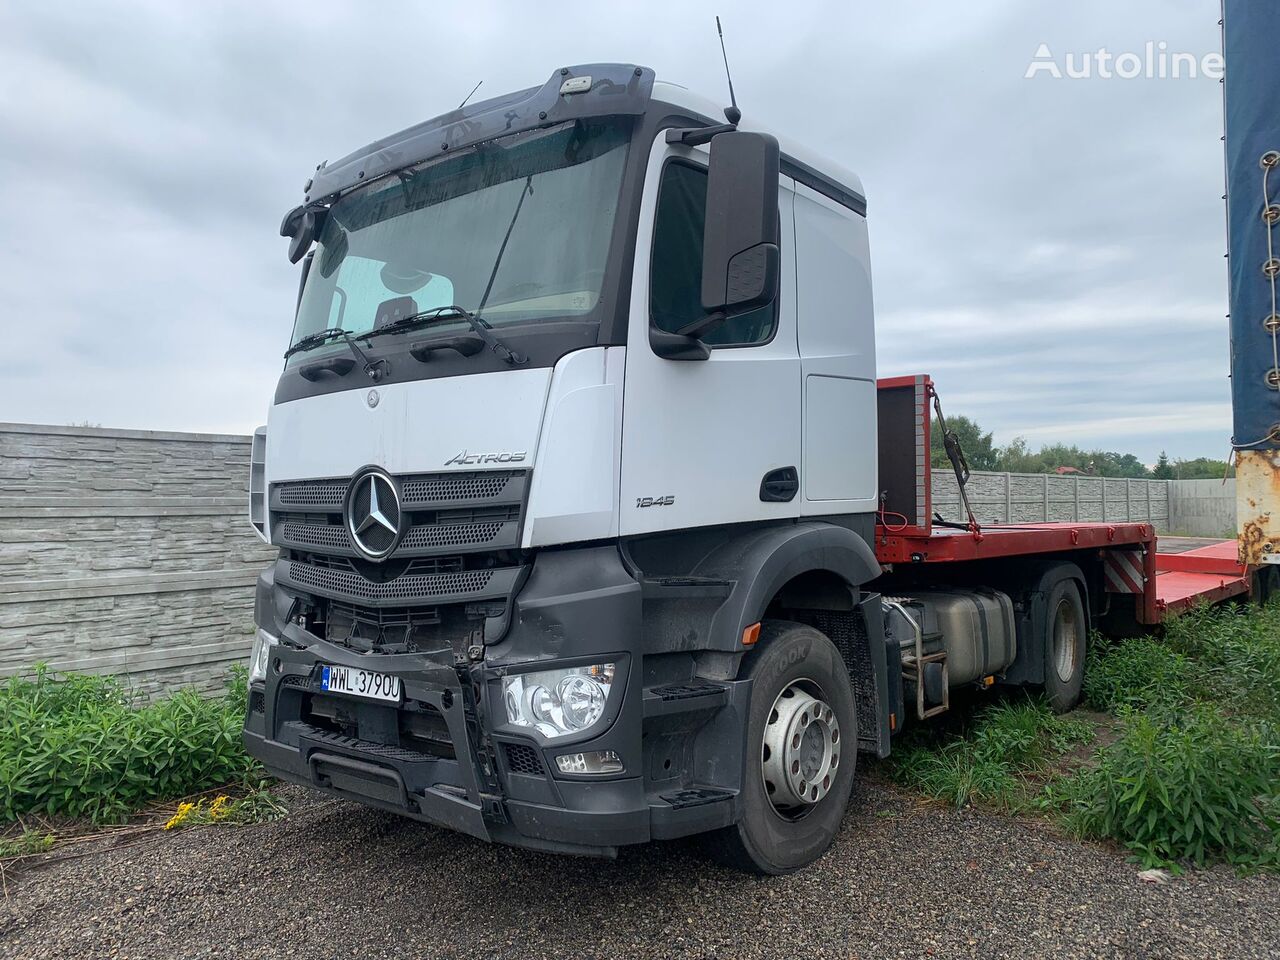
<point>1193,776</point>
<point>79,746</point>
<point>991,758</point>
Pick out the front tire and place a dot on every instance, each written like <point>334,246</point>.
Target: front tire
<point>802,749</point>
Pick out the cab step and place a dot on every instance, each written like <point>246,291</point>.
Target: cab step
<point>684,697</point>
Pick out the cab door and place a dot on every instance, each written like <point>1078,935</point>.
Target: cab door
<point>713,441</point>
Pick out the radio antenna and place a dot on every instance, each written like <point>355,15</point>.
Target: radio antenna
<point>731,112</point>
<point>469,95</point>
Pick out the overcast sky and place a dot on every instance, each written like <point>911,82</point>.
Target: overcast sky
<point>1049,249</point>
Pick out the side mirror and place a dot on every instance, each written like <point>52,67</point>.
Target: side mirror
<point>302,225</point>
<point>740,240</point>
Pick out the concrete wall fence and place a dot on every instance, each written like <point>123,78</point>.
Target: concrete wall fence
<point>129,551</point>
<point>126,552</point>
<point>1203,508</point>
<point>1040,498</point>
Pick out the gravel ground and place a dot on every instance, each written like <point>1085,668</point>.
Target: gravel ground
<point>904,880</point>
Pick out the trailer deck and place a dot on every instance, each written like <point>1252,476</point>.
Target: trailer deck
<point>1212,572</point>
<point>908,532</point>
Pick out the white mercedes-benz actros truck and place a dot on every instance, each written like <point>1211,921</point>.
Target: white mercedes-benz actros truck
<point>594,526</point>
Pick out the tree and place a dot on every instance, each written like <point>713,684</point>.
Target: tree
<point>1202,468</point>
<point>979,450</point>
<point>1018,458</point>
<point>1163,470</point>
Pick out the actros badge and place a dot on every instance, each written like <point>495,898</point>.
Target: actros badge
<point>464,457</point>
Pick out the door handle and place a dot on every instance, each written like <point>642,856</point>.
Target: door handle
<point>780,486</point>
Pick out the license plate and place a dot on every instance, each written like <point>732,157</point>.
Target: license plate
<point>361,683</point>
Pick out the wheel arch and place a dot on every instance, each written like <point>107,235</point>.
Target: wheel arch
<point>821,558</point>
<point>813,574</point>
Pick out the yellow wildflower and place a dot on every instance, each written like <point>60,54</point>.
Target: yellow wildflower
<point>179,818</point>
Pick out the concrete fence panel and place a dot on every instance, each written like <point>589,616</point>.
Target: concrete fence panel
<point>1041,498</point>
<point>126,552</point>
<point>1203,508</point>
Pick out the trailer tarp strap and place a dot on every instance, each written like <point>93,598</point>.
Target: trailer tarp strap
<point>951,444</point>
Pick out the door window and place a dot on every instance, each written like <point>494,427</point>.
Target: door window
<point>675,278</point>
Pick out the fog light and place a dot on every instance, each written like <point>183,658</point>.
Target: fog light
<point>593,761</point>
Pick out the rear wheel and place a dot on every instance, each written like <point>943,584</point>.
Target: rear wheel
<point>802,741</point>
<point>1066,630</point>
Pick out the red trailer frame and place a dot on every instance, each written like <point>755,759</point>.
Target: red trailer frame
<point>1161,583</point>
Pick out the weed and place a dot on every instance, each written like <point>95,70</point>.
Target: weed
<point>77,745</point>
<point>1183,785</point>
<point>258,805</point>
<point>1137,673</point>
<point>25,844</point>
<point>1236,650</point>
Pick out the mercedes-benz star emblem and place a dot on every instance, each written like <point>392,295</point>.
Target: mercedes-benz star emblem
<point>372,398</point>
<point>373,514</point>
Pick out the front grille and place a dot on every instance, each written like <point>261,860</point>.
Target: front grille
<point>320,493</point>
<point>324,536</point>
<point>410,586</point>
<point>451,534</point>
<point>522,758</point>
<point>497,532</point>
<point>456,487</point>
<point>455,565</point>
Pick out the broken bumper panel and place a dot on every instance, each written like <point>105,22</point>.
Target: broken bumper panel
<point>446,754</point>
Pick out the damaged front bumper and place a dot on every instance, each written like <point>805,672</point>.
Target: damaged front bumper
<point>447,754</point>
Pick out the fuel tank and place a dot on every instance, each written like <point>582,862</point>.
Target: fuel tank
<point>975,628</point>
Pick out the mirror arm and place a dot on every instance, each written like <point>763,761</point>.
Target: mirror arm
<point>677,346</point>
<point>700,328</point>
<point>696,136</point>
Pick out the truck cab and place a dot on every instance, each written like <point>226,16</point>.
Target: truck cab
<point>572,466</point>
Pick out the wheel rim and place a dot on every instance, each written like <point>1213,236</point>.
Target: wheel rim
<point>801,750</point>
<point>1066,634</point>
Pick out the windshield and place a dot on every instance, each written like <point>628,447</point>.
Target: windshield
<point>516,230</point>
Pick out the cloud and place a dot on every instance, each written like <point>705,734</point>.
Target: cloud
<point>1049,250</point>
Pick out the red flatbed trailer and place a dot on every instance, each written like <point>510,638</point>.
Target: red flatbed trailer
<point>1161,583</point>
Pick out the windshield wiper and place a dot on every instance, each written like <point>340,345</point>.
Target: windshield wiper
<point>375,369</point>
<point>313,340</point>
<point>436,315</point>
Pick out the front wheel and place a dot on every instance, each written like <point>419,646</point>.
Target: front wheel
<point>802,749</point>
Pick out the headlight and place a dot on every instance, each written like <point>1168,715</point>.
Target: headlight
<point>558,702</point>
<point>263,643</point>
